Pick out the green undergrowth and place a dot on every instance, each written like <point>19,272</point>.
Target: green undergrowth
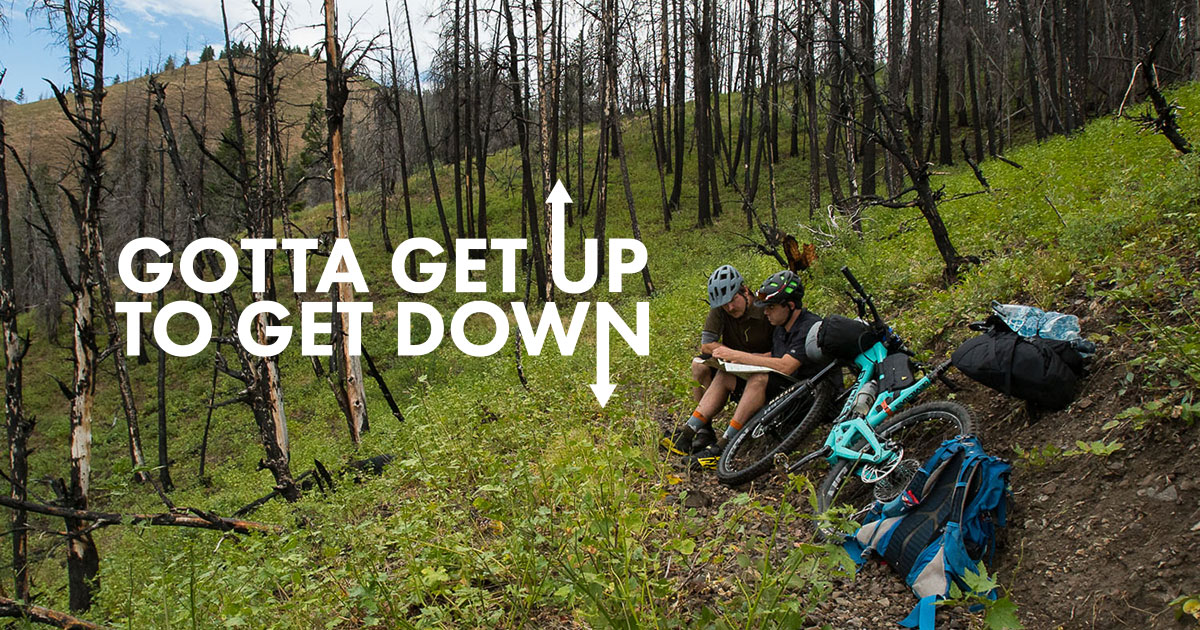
<point>509,506</point>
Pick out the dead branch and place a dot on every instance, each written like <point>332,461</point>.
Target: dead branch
<point>1008,162</point>
<point>1055,209</point>
<point>764,249</point>
<point>13,608</point>
<point>974,167</point>
<point>261,501</point>
<point>387,393</point>
<point>965,195</point>
<point>104,519</point>
<point>371,465</point>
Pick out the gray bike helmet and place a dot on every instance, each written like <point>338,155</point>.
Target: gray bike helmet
<point>723,284</point>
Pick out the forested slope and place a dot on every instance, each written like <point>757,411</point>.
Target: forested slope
<point>511,504</point>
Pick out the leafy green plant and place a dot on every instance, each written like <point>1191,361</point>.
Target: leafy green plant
<point>1095,447</point>
<point>1039,457</point>
<point>999,613</point>
<point>1042,456</point>
<point>1187,606</point>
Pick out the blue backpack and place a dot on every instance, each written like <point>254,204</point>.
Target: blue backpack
<point>941,525</point>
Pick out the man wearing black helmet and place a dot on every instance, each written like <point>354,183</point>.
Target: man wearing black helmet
<point>781,298</point>
<point>733,322</point>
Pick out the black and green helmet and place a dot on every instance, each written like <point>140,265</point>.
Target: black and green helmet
<point>782,287</point>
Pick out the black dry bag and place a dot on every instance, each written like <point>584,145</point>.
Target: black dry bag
<point>1045,372</point>
<point>844,338</point>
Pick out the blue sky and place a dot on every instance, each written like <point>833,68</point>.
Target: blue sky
<point>148,31</point>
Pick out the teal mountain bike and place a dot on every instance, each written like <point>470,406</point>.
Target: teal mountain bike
<point>880,438</point>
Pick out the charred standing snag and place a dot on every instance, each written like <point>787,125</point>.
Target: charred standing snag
<point>348,367</point>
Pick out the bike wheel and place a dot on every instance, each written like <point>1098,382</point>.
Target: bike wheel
<point>776,429</point>
<point>920,430</point>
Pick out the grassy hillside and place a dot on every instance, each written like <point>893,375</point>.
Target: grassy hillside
<point>510,507</point>
<point>40,129</point>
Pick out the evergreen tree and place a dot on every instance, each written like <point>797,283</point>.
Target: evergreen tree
<point>206,54</point>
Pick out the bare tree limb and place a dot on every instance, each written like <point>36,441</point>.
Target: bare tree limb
<point>104,519</point>
<point>13,608</point>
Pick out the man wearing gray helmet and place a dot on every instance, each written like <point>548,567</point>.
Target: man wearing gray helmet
<point>781,297</point>
<point>733,322</point>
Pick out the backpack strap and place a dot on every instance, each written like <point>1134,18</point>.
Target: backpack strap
<point>923,615</point>
<point>921,525</point>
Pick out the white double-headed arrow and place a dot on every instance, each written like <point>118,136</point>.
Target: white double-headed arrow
<point>606,317</point>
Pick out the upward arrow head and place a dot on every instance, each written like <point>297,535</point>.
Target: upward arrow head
<point>559,194</point>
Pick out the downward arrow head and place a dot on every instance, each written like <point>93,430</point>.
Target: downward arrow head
<point>559,194</point>
<point>603,392</point>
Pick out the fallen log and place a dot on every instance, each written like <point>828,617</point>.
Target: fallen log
<point>13,608</point>
<point>198,519</point>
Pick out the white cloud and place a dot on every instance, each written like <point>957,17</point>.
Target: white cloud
<point>117,26</point>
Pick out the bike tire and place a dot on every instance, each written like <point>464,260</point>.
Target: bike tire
<point>920,430</point>
<point>748,457</point>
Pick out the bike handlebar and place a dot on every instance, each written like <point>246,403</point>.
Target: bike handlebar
<point>854,282</point>
<point>879,323</point>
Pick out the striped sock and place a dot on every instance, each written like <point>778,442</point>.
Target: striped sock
<point>734,428</point>
<point>697,421</point>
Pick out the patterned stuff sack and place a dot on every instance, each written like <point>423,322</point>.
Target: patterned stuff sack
<point>941,526</point>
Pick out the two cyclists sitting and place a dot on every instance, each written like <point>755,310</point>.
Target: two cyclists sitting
<point>781,300</point>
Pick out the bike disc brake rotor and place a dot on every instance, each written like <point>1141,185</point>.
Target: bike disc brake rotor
<point>874,473</point>
<point>893,484</point>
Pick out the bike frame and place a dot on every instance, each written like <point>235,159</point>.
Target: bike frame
<point>847,430</point>
<point>886,404</point>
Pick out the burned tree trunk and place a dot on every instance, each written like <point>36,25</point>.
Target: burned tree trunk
<point>398,114</point>
<point>709,204</point>
<point>677,108</point>
<point>810,105</point>
<point>527,194</point>
<point>85,34</point>
<point>260,375</point>
<point>611,77</point>
<point>437,193</point>
<point>867,26</point>
<point>1031,70</point>
<point>197,519</point>
<point>22,610</point>
<point>349,366</point>
<point>544,105</point>
<point>892,138</point>
<point>18,424</point>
